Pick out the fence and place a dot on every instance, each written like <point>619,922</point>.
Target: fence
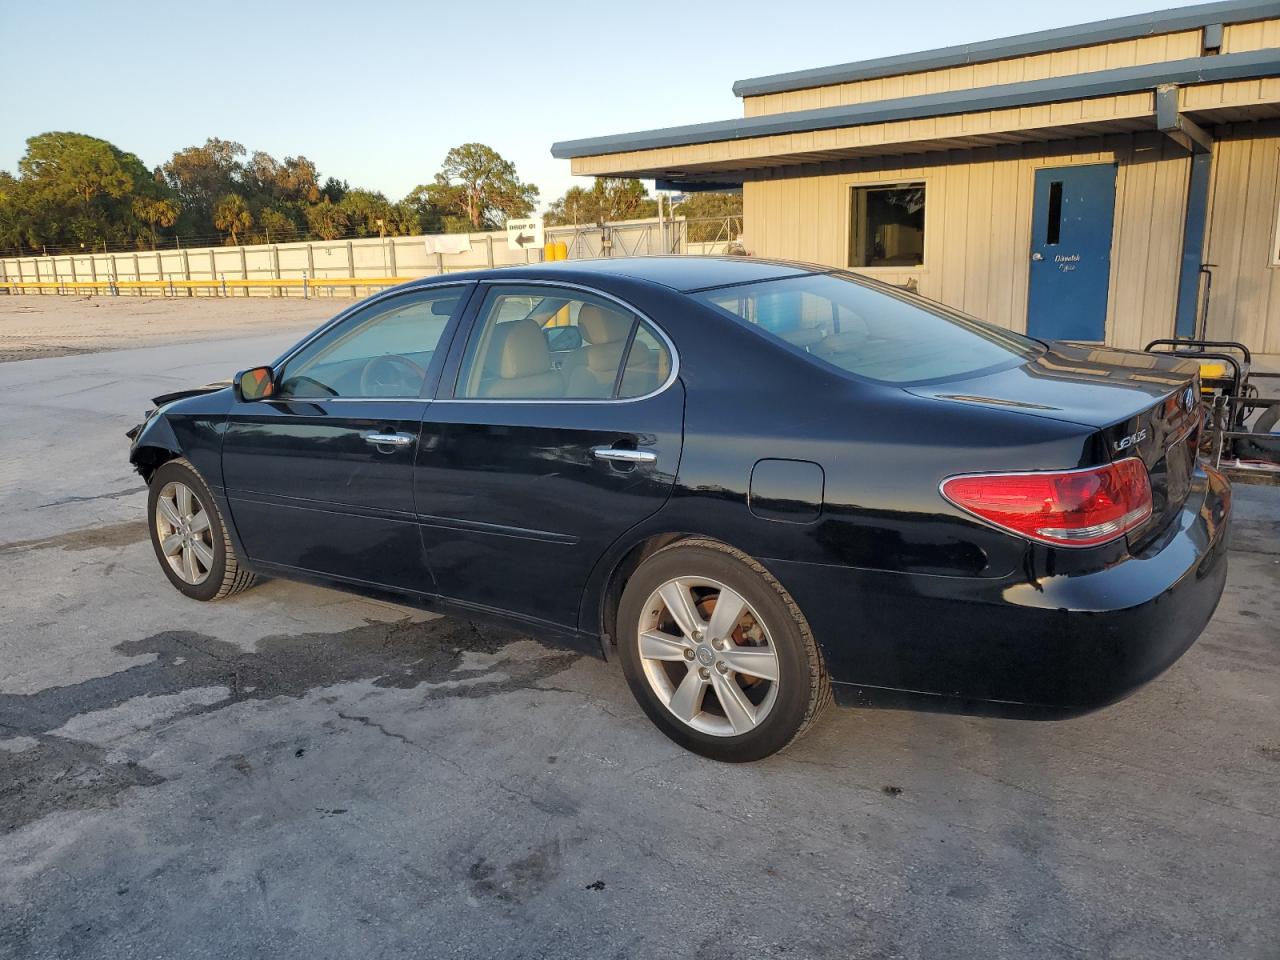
<point>346,267</point>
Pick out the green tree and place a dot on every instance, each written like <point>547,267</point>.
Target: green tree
<point>77,188</point>
<point>608,200</point>
<point>201,176</point>
<point>155,212</point>
<point>476,189</point>
<point>720,215</point>
<point>232,216</point>
<point>274,225</point>
<point>429,217</point>
<point>326,220</point>
<point>368,212</point>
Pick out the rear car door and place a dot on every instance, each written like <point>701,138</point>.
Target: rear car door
<point>320,476</point>
<point>532,462</point>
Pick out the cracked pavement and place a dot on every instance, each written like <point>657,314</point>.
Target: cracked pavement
<point>298,773</point>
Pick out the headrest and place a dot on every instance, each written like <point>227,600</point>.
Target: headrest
<point>600,325</point>
<point>524,351</point>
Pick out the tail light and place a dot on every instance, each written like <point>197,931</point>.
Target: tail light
<point>1069,508</point>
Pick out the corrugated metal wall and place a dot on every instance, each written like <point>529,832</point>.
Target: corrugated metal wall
<point>978,225</point>
<point>1245,301</point>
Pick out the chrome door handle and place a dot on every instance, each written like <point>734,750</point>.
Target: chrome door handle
<point>388,439</point>
<point>1037,255</point>
<point>624,456</point>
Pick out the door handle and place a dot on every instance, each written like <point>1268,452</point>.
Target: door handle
<point>1037,255</point>
<point>388,439</point>
<point>617,455</point>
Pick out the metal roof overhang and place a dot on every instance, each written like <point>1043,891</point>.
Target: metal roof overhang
<point>1071,107</point>
<point>1027,44</point>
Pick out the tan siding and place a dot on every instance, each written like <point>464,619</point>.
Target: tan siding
<point>1242,37</point>
<point>1059,63</point>
<point>1245,301</point>
<point>978,227</point>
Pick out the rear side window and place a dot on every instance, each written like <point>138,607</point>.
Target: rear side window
<point>545,343</point>
<point>869,331</point>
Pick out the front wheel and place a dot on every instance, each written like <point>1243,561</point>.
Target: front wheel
<point>189,536</point>
<point>718,654</point>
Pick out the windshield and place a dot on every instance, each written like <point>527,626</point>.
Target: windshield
<point>869,331</point>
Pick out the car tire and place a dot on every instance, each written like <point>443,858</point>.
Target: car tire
<point>190,537</point>
<point>717,692</point>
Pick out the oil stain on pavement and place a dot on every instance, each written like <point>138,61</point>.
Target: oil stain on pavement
<point>60,771</point>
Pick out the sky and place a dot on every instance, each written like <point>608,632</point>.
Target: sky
<point>376,92</point>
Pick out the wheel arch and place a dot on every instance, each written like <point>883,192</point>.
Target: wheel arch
<point>149,458</point>
<point>599,614</point>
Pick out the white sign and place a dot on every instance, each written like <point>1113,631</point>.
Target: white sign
<point>524,234</point>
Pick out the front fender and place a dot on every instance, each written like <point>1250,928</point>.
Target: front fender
<point>154,443</point>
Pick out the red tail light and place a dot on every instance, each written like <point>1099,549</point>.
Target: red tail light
<point>1071,508</point>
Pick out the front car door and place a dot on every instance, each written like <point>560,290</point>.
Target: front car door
<point>534,460</point>
<point>320,476</point>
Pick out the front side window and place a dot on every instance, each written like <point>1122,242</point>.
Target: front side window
<point>877,334</point>
<point>547,343</point>
<point>383,351</point>
<point>887,226</point>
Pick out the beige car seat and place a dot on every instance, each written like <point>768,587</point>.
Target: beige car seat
<point>605,332</point>
<point>524,370</point>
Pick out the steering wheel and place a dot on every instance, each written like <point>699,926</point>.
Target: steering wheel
<point>391,375</point>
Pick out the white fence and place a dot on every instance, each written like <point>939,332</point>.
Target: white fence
<point>322,267</point>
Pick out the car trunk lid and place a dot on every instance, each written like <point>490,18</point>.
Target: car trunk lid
<point>1142,405</point>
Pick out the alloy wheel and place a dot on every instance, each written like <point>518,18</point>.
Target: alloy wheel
<point>184,533</point>
<point>708,657</point>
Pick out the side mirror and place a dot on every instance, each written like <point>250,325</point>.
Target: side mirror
<point>563,339</point>
<point>255,384</point>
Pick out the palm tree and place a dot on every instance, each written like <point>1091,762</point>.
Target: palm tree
<point>155,212</point>
<point>232,215</point>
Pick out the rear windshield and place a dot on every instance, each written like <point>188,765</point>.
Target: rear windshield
<point>869,331</point>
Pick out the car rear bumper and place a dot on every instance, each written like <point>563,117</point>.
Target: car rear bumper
<point>1045,649</point>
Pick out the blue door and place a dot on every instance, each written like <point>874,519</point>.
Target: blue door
<point>1071,252</point>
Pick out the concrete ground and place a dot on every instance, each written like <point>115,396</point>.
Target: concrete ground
<point>296,773</point>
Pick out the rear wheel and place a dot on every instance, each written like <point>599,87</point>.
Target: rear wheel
<point>718,654</point>
<point>189,536</point>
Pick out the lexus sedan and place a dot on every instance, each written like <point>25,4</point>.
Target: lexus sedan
<point>759,486</point>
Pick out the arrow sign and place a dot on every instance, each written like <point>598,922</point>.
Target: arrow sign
<point>523,234</point>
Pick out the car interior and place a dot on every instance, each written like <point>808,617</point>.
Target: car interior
<point>388,355</point>
<point>547,348</point>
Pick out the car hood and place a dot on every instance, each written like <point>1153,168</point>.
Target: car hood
<point>1092,386</point>
<point>190,392</point>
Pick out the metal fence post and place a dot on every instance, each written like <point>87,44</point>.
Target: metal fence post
<point>440,264</point>
<point>275,267</point>
<point>391,249</point>
<point>137,272</point>
<point>489,244</point>
<point>311,259</point>
<point>244,269</point>
<point>186,273</point>
<point>306,291</point>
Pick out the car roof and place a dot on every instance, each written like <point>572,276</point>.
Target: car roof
<point>680,273</point>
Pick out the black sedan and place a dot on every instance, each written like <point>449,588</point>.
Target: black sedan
<point>758,485</point>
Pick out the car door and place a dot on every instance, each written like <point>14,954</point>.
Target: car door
<point>320,476</point>
<point>533,462</point>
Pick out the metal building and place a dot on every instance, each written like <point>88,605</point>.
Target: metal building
<point>1071,183</point>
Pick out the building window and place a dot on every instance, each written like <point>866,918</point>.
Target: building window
<point>887,228</point>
